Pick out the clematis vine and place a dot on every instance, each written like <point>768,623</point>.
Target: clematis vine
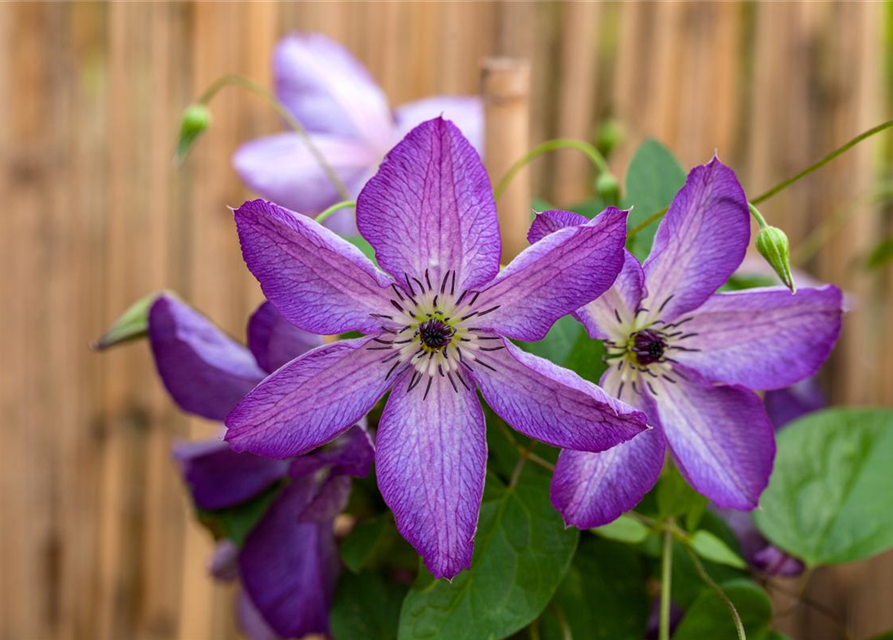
<point>348,118</point>
<point>288,563</point>
<point>690,357</point>
<point>437,321</point>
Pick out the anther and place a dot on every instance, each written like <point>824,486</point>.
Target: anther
<point>670,297</point>
<point>428,388</point>
<point>443,284</point>
<point>428,280</point>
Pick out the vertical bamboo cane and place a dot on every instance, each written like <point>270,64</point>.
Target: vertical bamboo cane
<point>505,84</point>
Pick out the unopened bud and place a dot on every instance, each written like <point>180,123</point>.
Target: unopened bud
<point>610,134</point>
<point>773,245</point>
<point>608,187</point>
<point>133,324</point>
<point>196,119</point>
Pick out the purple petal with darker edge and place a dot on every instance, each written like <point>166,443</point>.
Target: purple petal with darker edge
<point>317,280</point>
<point>430,208</point>
<point>205,371</point>
<point>224,564</point>
<point>548,222</point>
<point>788,404</point>
<point>218,477</point>
<point>552,404</point>
<point>274,340</point>
<point>310,401</point>
<point>699,243</point>
<point>763,338</point>
<point>431,458</point>
<point>554,277</point>
<point>466,112</point>
<point>251,622</point>
<point>720,437</point>
<point>606,316</point>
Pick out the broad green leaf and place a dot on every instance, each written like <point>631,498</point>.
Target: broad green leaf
<point>568,345</point>
<point>829,499</point>
<point>652,180</point>
<point>366,607</point>
<point>235,523</point>
<point>362,543</point>
<point>624,529</point>
<point>590,208</point>
<point>522,552</point>
<point>602,597</point>
<point>675,497</point>
<point>133,324</point>
<point>708,617</point>
<point>710,547</point>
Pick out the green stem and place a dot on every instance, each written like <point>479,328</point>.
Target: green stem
<point>241,81</point>
<point>757,215</point>
<point>666,578</point>
<point>347,204</point>
<point>551,145</point>
<point>522,451</point>
<point>781,186</point>
<point>739,626</point>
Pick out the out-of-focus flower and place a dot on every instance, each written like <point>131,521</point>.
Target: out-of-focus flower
<point>437,323</point>
<point>288,564</point>
<point>347,115</point>
<point>671,339</point>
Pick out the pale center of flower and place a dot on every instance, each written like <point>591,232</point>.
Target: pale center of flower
<point>433,331</point>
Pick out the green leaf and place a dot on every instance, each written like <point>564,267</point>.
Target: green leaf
<point>235,523</point>
<point>652,180</point>
<point>133,324</point>
<point>710,547</point>
<point>366,607</point>
<point>829,499</point>
<point>888,635</point>
<point>624,529</point>
<point>602,597</point>
<point>522,551</point>
<point>709,617</point>
<point>362,543</point>
<point>675,497</point>
<point>881,255</point>
<point>568,345</point>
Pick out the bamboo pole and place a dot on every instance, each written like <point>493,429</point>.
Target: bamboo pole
<point>505,85</point>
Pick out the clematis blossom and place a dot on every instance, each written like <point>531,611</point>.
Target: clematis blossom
<point>437,321</point>
<point>690,358</point>
<point>288,563</point>
<point>349,120</point>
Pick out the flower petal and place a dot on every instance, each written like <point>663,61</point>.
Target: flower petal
<point>593,489</point>
<point>548,222</point>
<point>330,91</point>
<point>556,276</point>
<point>430,208</point>
<point>350,454</point>
<point>281,168</point>
<point>552,404</point>
<point>288,567</point>
<point>762,338</point>
<point>310,401</point>
<point>720,437</point>
<point>466,112</point>
<point>318,281</point>
<point>274,340</point>
<point>251,622</point>
<point>608,315</point>
<point>218,477</point>
<point>431,460</point>
<point>205,371</point>
<point>699,243</point>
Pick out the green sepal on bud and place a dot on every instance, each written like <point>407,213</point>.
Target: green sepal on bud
<point>196,119</point>
<point>773,245</point>
<point>608,187</point>
<point>610,135</point>
<point>132,325</point>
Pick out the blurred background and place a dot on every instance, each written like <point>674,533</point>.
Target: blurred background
<point>96,538</point>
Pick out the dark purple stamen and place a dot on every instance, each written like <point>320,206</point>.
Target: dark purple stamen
<point>648,347</point>
<point>435,334</point>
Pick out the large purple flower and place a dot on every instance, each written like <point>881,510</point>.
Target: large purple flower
<point>437,324</point>
<point>348,117</point>
<point>689,357</point>
<point>288,563</point>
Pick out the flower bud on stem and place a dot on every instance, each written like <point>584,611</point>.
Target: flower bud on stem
<point>773,245</point>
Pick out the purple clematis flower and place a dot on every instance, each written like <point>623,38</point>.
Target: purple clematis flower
<point>288,564</point>
<point>347,115</point>
<point>437,323</point>
<point>689,357</point>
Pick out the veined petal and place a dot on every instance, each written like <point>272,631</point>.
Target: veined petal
<point>205,371</point>
<point>289,568</point>
<point>699,243</point>
<point>552,404</point>
<point>430,209</point>
<point>720,437</point>
<point>317,280</point>
<point>556,276</point>
<point>763,338</point>
<point>548,222</point>
<point>466,112</point>
<point>593,489</point>
<point>251,622</point>
<point>607,316</point>
<point>431,460</point>
<point>350,454</point>
<point>218,477</point>
<point>330,91</point>
<point>274,340</point>
<point>310,401</point>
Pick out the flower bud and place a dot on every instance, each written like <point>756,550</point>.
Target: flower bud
<point>133,324</point>
<point>608,187</point>
<point>610,134</point>
<point>773,245</point>
<point>196,119</point>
